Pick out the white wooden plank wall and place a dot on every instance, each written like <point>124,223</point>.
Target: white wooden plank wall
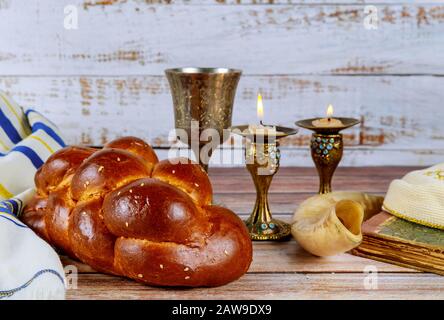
<point>105,78</point>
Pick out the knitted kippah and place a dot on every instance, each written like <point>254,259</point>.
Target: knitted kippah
<point>418,197</point>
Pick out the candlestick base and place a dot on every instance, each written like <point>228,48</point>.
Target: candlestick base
<point>326,148</point>
<point>262,156</point>
<point>271,230</point>
<point>263,163</point>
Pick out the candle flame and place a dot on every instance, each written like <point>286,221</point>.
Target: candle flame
<point>260,108</point>
<point>330,111</point>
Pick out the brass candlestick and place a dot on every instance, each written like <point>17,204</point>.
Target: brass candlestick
<point>262,157</point>
<point>204,96</point>
<point>326,148</point>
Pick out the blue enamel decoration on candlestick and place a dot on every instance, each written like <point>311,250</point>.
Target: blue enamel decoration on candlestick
<point>325,146</point>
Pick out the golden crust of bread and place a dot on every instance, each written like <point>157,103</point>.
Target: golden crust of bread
<point>123,212</point>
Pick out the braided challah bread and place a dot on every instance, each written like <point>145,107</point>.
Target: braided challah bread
<point>123,212</point>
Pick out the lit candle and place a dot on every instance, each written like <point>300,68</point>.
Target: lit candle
<point>328,122</point>
<point>260,109</point>
<point>261,129</point>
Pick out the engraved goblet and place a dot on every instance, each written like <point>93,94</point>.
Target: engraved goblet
<point>203,99</point>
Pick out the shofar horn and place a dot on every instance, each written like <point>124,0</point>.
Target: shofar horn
<point>329,224</point>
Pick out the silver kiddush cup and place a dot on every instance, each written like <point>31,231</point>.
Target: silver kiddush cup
<point>203,96</point>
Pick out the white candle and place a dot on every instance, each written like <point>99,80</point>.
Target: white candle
<point>261,129</point>
<point>328,122</point>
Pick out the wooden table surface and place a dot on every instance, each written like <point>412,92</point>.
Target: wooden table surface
<point>283,270</point>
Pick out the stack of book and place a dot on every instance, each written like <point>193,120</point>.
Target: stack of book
<point>390,239</point>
